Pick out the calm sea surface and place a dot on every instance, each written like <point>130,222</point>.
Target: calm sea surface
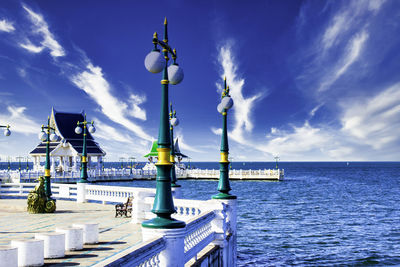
<point>322,214</point>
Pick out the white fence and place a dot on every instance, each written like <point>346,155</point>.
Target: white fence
<point>127,174</point>
<point>208,223</point>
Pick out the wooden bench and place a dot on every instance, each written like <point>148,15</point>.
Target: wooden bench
<point>124,208</point>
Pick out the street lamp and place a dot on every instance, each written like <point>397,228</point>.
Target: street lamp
<point>276,161</point>
<point>19,162</point>
<point>78,130</point>
<point>156,62</point>
<point>47,136</point>
<point>27,163</point>
<point>173,122</point>
<point>223,184</point>
<point>132,159</point>
<point>121,159</point>
<point>7,132</point>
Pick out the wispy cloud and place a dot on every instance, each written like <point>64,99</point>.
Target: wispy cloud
<point>184,146</point>
<point>93,82</point>
<point>136,111</point>
<point>109,133</point>
<point>353,52</point>
<point>373,120</point>
<point>6,26</point>
<point>19,121</point>
<point>41,28</point>
<point>31,47</point>
<point>242,106</point>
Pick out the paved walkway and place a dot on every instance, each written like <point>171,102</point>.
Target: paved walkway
<point>116,234</point>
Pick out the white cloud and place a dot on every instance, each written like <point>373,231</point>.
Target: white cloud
<point>352,54</point>
<point>137,112</point>
<point>340,23</point>
<point>19,121</point>
<point>374,121</point>
<point>40,27</point>
<point>6,26</point>
<point>92,81</point>
<point>242,106</point>
<point>301,140</point>
<point>184,146</point>
<point>31,47</point>
<point>109,133</point>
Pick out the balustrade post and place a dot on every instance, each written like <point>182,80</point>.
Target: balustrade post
<point>81,192</point>
<point>225,227</point>
<point>173,255</point>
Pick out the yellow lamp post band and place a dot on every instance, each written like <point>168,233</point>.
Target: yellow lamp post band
<point>164,82</point>
<point>172,158</point>
<point>163,156</point>
<point>224,157</point>
<point>84,159</point>
<point>46,172</point>
<point>224,113</point>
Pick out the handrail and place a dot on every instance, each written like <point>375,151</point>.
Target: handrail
<point>199,234</point>
<point>145,254</point>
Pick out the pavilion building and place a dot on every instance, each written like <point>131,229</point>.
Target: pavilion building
<point>66,152</point>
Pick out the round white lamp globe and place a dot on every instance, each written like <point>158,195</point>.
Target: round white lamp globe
<point>7,132</point>
<point>43,136</point>
<point>92,129</point>
<point>53,137</point>
<point>78,130</point>
<point>227,102</point>
<point>174,122</point>
<point>175,74</point>
<point>154,62</point>
<point>220,108</point>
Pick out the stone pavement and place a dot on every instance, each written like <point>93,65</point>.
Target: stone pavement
<point>115,234</point>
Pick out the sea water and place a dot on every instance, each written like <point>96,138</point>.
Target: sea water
<point>321,214</point>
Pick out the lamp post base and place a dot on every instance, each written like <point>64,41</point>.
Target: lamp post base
<point>82,180</point>
<point>223,196</point>
<point>163,223</point>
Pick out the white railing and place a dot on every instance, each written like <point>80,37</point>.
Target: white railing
<point>273,174</point>
<point>116,193</point>
<point>144,254</point>
<point>199,234</point>
<point>67,191</point>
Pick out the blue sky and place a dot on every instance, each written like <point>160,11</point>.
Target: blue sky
<point>311,80</point>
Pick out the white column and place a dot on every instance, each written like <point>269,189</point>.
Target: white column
<point>53,164</point>
<point>99,160</point>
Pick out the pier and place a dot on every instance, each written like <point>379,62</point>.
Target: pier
<point>139,174</point>
<point>209,234</point>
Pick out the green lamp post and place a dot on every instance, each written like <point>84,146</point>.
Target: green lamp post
<point>156,62</point>
<point>132,159</point>
<point>276,161</point>
<point>46,135</point>
<point>19,162</point>
<point>223,184</point>
<point>122,159</point>
<point>173,122</point>
<point>9,164</point>
<point>27,163</point>
<point>84,161</point>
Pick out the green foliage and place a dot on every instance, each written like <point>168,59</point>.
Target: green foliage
<point>37,201</point>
